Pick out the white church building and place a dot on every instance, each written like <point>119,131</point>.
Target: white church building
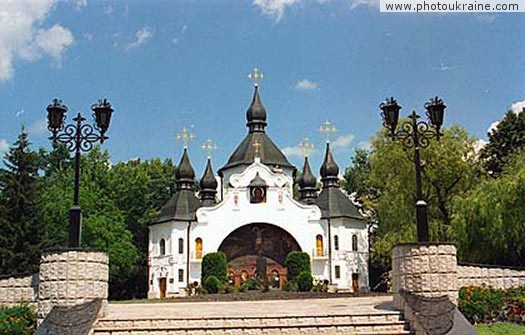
<point>250,211</point>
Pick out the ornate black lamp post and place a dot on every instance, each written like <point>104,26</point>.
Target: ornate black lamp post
<point>79,138</point>
<point>415,134</point>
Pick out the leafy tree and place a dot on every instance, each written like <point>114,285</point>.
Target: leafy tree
<point>386,184</point>
<point>21,241</point>
<point>103,224</point>
<point>504,141</point>
<point>489,226</point>
<point>139,189</point>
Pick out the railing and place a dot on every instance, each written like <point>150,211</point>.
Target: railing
<point>319,253</point>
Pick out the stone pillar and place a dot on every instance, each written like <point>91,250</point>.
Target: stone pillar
<point>70,277</point>
<point>425,269</point>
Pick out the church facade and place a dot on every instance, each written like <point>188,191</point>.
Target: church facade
<point>250,213</point>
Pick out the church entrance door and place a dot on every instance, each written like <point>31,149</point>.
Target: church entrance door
<point>162,286</point>
<point>249,247</point>
<point>355,282</point>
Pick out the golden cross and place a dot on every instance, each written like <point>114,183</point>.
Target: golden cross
<point>306,146</point>
<point>256,76</point>
<point>185,136</point>
<point>327,128</point>
<point>256,145</point>
<point>208,146</point>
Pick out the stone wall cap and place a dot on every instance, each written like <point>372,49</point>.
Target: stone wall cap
<point>492,266</point>
<point>18,275</point>
<point>422,244</point>
<point>57,250</point>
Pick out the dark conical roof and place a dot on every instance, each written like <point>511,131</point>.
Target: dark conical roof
<point>257,181</point>
<point>306,179</point>
<point>267,150</point>
<point>256,113</point>
<point>208,185</point>
<point>329,169</point>
<point>183,204</point>
<point>307,183</point>
<point>184,173</point>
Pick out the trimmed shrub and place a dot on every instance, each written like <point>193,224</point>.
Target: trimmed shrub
<point>305,281</point>
<point>17,320</point>
<point>212,284</point>
<point>297,262</point>
<point>215,264</point>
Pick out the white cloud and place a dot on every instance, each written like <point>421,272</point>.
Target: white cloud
<point>79,4</point>
<point>478,145</point>
<point>38,128</point>
<point>274,8</point>
<point>364,145</point>
<point>370,3</point>
<point>4,146</point>
<point>142,36</point>
<point>293,151</point>
<point>306,84</point>
<point>343,141</point>
<point>518,107</point>
<point>20,36</point>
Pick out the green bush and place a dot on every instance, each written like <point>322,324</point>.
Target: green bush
<point>18,320</point>
<point>252,284</point>
<point>212,284</point>
<point>485,304</point>
<point>305,281</point>
<point>297,262</point>
<point>290,286</point>
<point>215,264</point>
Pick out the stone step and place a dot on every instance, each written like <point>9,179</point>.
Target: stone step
<point>384,324</point>
<point>311,330</point>
<point>380,318</point>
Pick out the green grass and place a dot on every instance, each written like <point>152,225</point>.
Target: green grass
<point>501,328</point>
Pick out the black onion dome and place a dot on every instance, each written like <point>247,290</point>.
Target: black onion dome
<point>208,185</point>
<point>307,179</point>
<point>256,113</point>
<point>208,181</point>
<point>184,173</point>
<point>329,167</point>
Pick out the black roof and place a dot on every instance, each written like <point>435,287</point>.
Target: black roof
<point>268,152</point>
<point>181,207</point>
<point>335,204</point>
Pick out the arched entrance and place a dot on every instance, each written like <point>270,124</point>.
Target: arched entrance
<point>258,247</point>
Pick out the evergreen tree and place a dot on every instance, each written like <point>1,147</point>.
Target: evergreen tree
<point>504,141</point>
<point>21,241</point>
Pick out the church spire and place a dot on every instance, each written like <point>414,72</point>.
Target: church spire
<point>307,184</point>
<point>208,185</point>
<point>256,113</point>
<point>184,173</point>
<point>329,169</point>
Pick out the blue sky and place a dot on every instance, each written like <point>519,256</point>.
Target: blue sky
<point>169,64</point>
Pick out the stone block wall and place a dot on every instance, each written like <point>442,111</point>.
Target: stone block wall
<point>425,269</point>
<point>71,277</point>
<point>16,289</point>
<point>497,277</point>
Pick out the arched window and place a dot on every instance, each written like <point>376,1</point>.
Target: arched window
<point>319,246</point>
<point>336,242</point>
<point>354,242</point>
<point>198,248</point>
<point>181,246</point>
<point>162,247</point>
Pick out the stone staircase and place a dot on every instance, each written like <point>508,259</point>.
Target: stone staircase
<point>377,323</point>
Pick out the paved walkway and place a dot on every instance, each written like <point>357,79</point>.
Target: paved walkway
<point>305,307</point>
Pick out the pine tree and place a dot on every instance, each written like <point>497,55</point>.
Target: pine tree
<point>507,139</point>
<point>21,239</point>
